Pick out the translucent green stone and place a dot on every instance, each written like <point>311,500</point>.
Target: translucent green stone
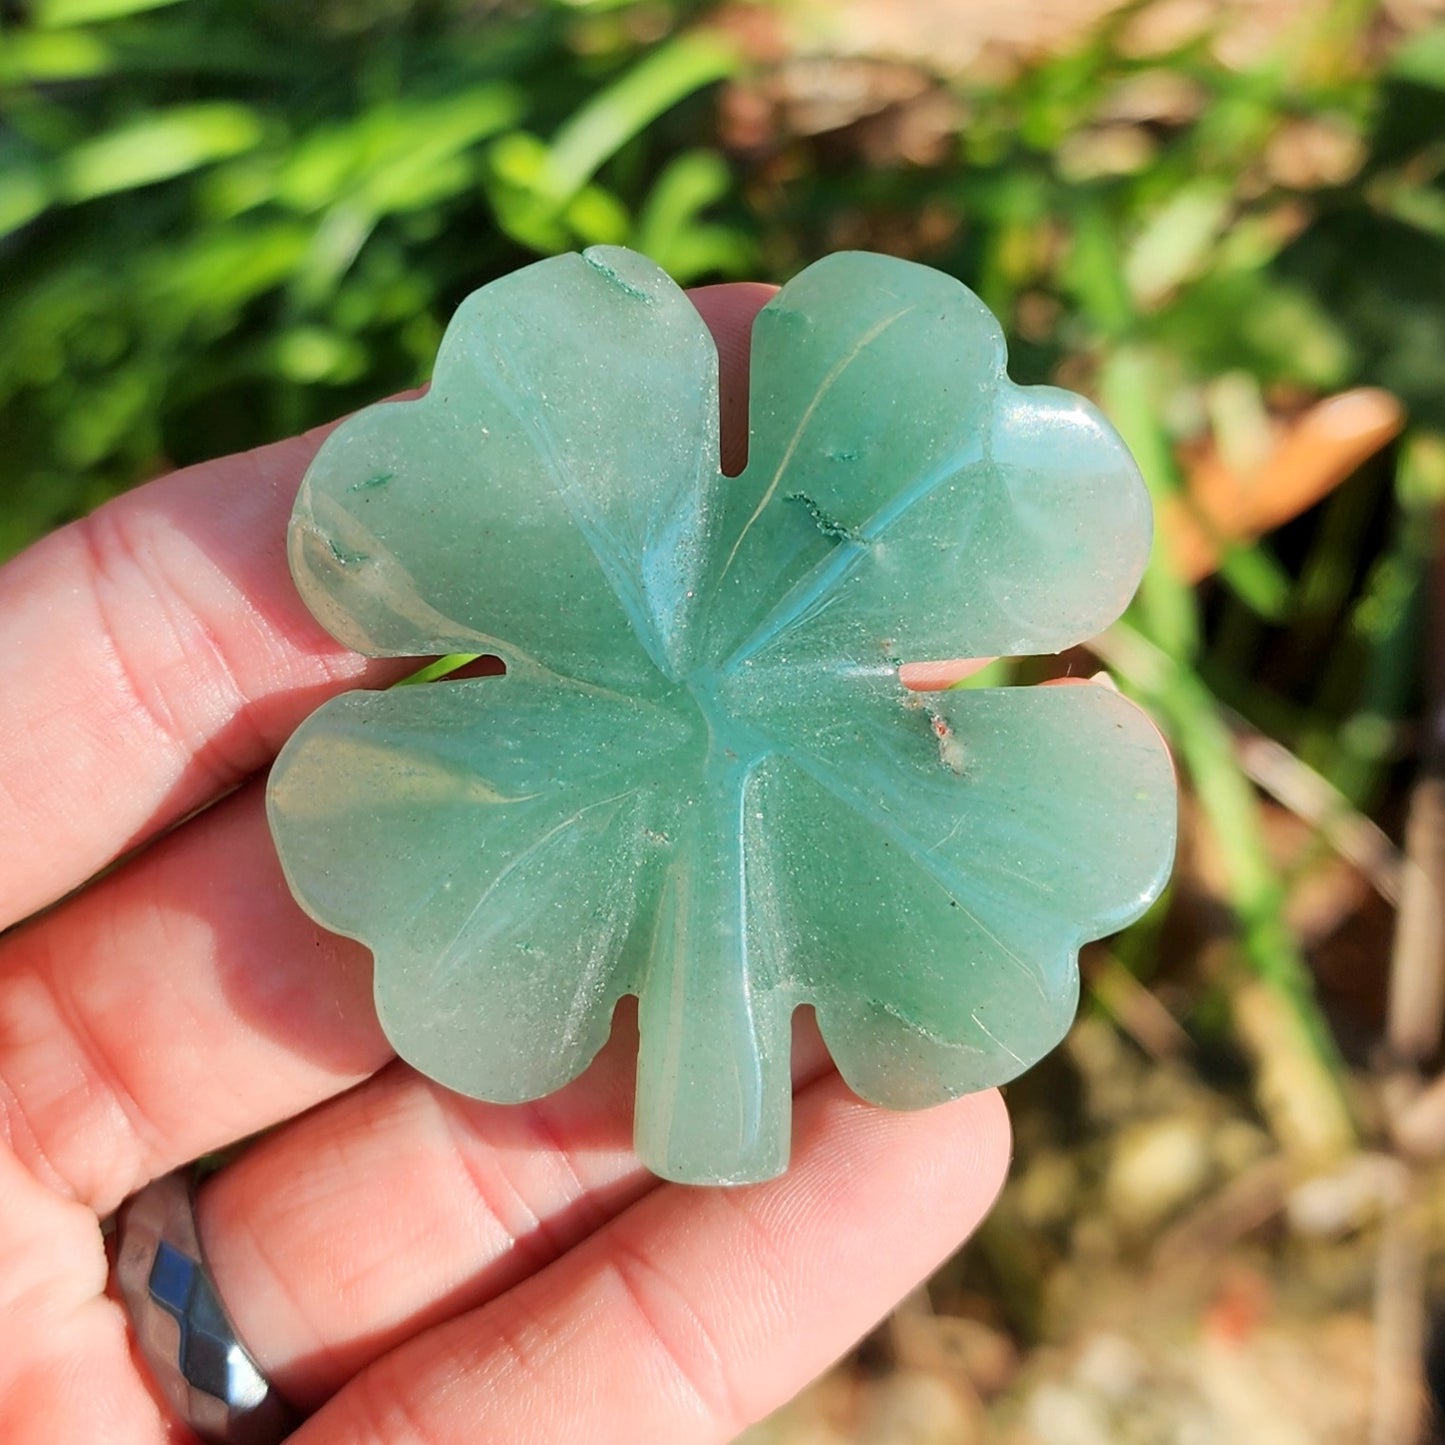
<point>701,781</point>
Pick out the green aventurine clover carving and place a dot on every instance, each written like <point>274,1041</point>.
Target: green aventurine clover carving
<point>701,781</point>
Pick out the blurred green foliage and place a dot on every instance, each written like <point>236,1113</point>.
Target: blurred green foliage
<point>223,223</point>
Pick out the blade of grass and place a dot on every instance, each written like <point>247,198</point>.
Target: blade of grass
<point>442,667</point>
<point>1298,1070</point>
<point>652,87</point>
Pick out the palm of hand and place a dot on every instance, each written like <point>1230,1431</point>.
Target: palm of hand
<point>405,1263</point>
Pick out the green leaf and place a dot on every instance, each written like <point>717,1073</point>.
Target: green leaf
<point>596,217</point>
<point>55,14</point>
<point>1093,270</point>
<point>1129,387</point>
<point>1257,320</point>
<point>220,271</point>
<point>396,157</point>
<point>310,354</point>
<point>1254,576</point>
<point>39,58</point>
<point>24,194</point>
<point>530,214</point>
<point>670,228</point>
<point>1174,243</point>
<point>607,122</point>
<point>156,147</point>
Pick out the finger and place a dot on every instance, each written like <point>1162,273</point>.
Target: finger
<point>404,1204</point>
<point>66,1371</point>
<point>166,653</point>
<point>730,311</point>
<point>165,656</point>
<point>697,1311</point>
<point>182,1002</point>
<point>936,676</point>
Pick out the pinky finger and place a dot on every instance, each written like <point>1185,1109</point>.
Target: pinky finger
<point>697,1312</point>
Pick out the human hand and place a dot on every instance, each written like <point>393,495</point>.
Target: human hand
<point>407,1265</point>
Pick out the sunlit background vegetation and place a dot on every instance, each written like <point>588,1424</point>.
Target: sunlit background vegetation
<point>224,222</point>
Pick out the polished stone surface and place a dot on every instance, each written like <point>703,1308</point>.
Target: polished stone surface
<point>701,781</point>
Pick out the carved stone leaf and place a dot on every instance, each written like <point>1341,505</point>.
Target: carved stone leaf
<point>492,845</point>
<point>991,833</point>
<point>543,500</point>
<point>903,498</point>
<point>701,781</point>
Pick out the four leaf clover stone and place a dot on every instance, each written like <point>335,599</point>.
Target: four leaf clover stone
<point>701,781</point>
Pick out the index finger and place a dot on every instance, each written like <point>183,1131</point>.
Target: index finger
<point>160,652</point>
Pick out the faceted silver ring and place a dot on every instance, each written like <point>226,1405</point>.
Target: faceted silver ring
<point>210,1378</point>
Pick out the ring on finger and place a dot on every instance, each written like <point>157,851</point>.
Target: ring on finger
<point>210,1378</point>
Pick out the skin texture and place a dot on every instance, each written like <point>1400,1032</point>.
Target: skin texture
<point>408,1265</point>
